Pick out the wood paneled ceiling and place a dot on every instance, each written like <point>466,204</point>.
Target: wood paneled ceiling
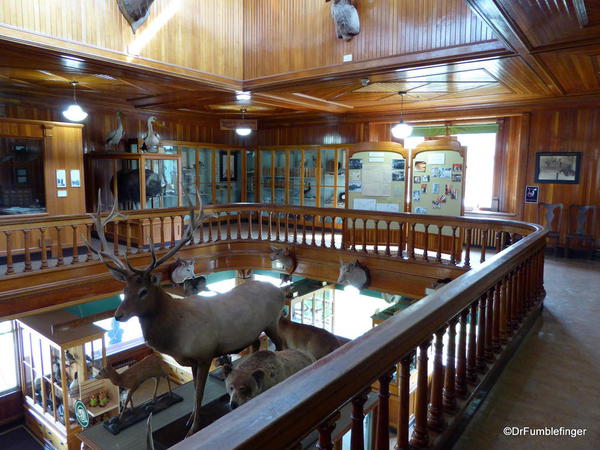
<point>552,51</point>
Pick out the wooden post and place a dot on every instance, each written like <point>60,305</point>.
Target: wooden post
<point>325,430</point>
<point>472,347</point>
<point>383,419</point>
<point>461,357</point>
<point>435,419</point>
<point>449,394</point>
<point>404,403</point>
<point>489,327</point>
<point>420,434</point>
<point>468,249</point>
<point>481,322</point>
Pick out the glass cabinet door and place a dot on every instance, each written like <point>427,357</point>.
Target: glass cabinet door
<point>250,176</point>
<point>309,189</point>
<point>295,177</point>
<point>280,177</point>
<point>205,174</point>
<point>266,183</point>
<point>328,171</point>
<point>162,184</point>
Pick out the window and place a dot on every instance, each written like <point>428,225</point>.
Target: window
<point>22,174</point>
<point>9,380</point>
<point>480,141</point>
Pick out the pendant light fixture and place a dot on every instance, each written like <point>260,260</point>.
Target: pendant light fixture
<point>242,130</point>
<point>74,113</point>
<point>402,130</point>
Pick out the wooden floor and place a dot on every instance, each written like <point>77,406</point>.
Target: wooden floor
<point>553,379</point>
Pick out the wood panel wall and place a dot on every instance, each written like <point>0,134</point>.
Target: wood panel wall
<point>200,35</point>
<point>288,35</point>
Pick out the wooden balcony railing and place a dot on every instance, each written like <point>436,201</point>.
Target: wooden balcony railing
<point>38,244</point>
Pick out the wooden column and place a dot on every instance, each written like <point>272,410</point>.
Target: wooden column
<point>435,418</point>
<point>449,393</point>
<point>420,434</point>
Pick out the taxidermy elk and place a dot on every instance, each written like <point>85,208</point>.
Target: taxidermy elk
<point>135,12</point>
<point>128,185</point>
<point>345,16</point>
<point>354,274</point>
<point>193,330</point>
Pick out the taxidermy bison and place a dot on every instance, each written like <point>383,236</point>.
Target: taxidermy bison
<point>128,185</point>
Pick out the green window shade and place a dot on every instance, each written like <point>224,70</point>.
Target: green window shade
<point>455,129</point>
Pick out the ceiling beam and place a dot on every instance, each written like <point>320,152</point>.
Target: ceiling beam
<point>507,31</point>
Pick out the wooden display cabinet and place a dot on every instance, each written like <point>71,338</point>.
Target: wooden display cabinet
<point>50,360</point>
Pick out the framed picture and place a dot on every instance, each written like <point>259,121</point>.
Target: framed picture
<point>21,176</point>
<point>75,178</point>
<point>557,167</point>
<point>531,194</point>
<point>224,165</point>
<point>61,178</point>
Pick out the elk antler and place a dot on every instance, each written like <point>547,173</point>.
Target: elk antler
<point>188,235</point>
<point>100,224</point>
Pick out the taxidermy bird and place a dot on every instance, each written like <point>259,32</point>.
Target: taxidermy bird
<point>135,11</point>
<point>345,16</point>
<point>74,386</point>
<point>307,189</point>
<point>114,137</point>
<point>69,358</point>
<point>152,138</point>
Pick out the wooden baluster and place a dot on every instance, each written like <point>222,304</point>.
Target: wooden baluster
<point>238,230</point>
<point>115,248</point>
<point>43,250</point>
<point>489,326</point>
<point>162,234</point>
<point>426,243</point>
<point>454,244</point>
<point>377,237</point>
<point>314,226</point>
<point>510,303</point>
<point>325,431</point>
<point>228,225</point>
<point>270,226</point>
<point>383,417</point>
<point>27,242</point>
<point>88,232</point>
<point>404,402</point>
<point>504,311</point>
<point>497,314</point>
<point>401,241</point>
<point>420,434</point>
<point>364,239</point>
<point>520,293</point>
<point>127,237</point>
<point>60,259</point>
<point>468,249</point>
<point>484,238</point>
<point>530,285</point>
<point>472,345</point>
<point>260,225</point>
<point>323,231</point>
<point>303,230</point>
<point>173,232</point>
<point>333,232</point>
<point>388,239</point>
<point>481,322</point>
<point>279,225</point>
<point>461,356</point>
<point>498,244</point>
<point>75,249</point>
<point>210,230</point>
<point>9,257</point>
<point>353,228</point>
<point>250,231</point>
<point>357,437</point>
<point>296,216</point>
<point>287,228</point>
<point>411,250</point>
<point>435,418</point>
<point>449,393</point>
<point>219,230</point>
<point>438,256</point>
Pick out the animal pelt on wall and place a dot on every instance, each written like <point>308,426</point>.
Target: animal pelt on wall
<point>135,12</point>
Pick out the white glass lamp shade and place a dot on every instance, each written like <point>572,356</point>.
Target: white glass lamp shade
<point>243,96</point>
<point>351,290</point>
<point>243,131</point>
<point>402,130</point>
<point>74,113</point>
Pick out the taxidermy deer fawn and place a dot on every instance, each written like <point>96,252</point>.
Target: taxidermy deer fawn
<point>193,330</point>
<point>313,341</point>
<point>152,366</point>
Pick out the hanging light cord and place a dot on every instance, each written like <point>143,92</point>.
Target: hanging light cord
<point>74,84</point>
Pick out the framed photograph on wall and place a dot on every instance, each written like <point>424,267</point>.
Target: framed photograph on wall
<point>75,178</point>
<point>532,194</point>
<point>61,178</point>
<point>557,167</point>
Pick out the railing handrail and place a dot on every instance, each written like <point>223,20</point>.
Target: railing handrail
<point>280,414</point>
<point>31,222</point>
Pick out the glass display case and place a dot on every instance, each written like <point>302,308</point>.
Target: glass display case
<point>316,308</point>
<point>58,364</point>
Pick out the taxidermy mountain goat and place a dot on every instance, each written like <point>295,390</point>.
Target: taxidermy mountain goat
<point>345,16</point>
<point>193,330</point>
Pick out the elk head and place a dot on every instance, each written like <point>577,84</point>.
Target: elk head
<point>143,290</point>
<point>181,270</point>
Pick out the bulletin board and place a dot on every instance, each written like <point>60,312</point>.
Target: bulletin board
<point>438,179</point>
<point>376,179</point>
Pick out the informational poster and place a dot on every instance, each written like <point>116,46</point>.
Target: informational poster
<point>377,180</point>
<point>388,207</point>
<point>365,203</point>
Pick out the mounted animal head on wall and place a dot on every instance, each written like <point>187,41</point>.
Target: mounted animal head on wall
<point>283,259</point>
<point>193,286</point>
<point>143,290</point>
<point>354,274</point>
<point>345,16</point>
<point>136,12</point>
<point>181,270</point>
